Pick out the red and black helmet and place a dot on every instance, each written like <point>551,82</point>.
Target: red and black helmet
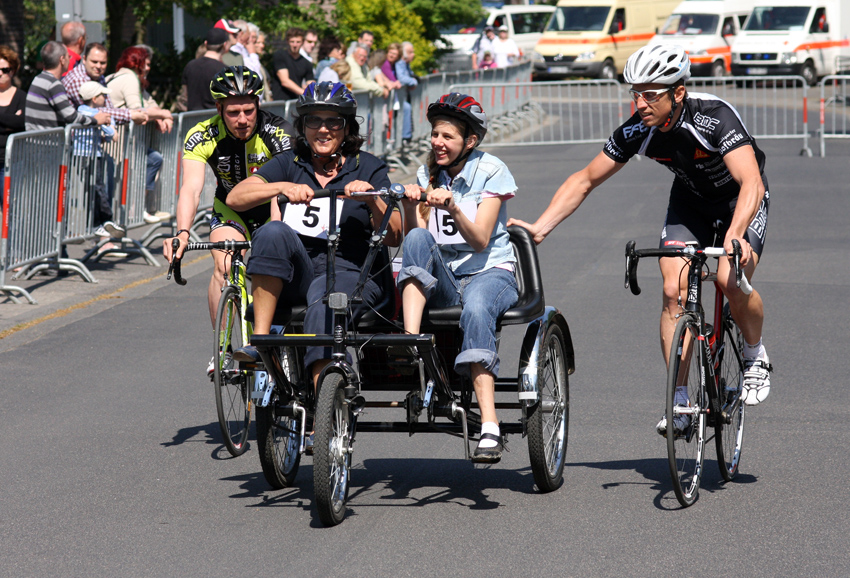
<point>462,107</point>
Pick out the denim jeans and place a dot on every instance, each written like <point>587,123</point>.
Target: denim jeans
<point>406,120</point>
<point>484,296</point>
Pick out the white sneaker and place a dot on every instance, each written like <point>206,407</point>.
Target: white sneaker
<point>162,215</point>
<point>150,219</point>
<point>680,425</point>
<point>115,231</point>
<point>101,232</point>
<point>211,367</point>
<point>756,380</point>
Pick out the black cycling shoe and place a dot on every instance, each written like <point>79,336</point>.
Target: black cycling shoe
<point>490,455</point>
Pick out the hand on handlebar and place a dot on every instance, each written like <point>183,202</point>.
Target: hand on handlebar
<point>171,250</point>
<point>359,187</point>
<point>299,194</point>
<point>746,249</point>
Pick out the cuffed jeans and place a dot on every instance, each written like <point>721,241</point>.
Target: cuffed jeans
<point>483,296</point>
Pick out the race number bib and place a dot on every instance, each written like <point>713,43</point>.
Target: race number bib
<point>443,226</point>
<point>312,220</point>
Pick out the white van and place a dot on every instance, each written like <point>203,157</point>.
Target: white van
<point>706,29</point>
<point>594,38</point>
<point>794,37</point>
<point>525,26</point>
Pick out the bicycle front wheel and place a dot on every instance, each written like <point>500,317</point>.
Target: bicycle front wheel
<point>232,386</point>
<point>332,453</point>
<point>729,433</point>
<point>686,410</point>
<point>549,418</point>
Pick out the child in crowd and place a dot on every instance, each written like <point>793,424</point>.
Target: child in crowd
<point>457,250</point>
<point>487,61</point>
<point>87,143</point>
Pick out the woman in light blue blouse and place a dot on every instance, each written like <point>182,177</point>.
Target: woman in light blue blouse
<point>457,250</point>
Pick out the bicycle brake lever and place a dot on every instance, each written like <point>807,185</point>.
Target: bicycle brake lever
<point>736,256</point>
<point>174,266</point>
<point>631,269</point>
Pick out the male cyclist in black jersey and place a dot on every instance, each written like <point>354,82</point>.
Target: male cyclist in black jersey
<point>719,176</point>
<point>234,143</point>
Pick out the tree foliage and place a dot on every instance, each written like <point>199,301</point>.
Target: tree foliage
<point>439,14</point>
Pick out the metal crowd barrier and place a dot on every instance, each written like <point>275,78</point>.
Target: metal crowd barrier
<point>33,203</point>
<point>772,107</point>
<point>567,112</point>
<point>834,109</point>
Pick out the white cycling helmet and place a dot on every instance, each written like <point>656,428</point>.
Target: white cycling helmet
<point>659,64</point>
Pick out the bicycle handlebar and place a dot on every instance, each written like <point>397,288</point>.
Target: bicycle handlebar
<point>633,256</point>
<point>228,245</point>
<point>396,192</point>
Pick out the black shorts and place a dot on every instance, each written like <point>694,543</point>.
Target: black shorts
<point>687,224</point>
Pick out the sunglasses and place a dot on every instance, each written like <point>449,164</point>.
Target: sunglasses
<point>332,123</point>
<point>649,96</point>
<point>6,70</point>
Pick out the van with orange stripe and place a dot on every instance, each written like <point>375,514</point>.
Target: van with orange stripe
<point>706,29</point>
<point>793,37</point>
<point>594,38</point>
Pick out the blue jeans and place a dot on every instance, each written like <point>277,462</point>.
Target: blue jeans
<point>483,296</point>
<point>406,120</point>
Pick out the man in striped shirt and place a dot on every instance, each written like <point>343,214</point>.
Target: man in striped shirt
<point>48,105</point>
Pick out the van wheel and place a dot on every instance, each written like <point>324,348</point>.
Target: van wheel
<point>608,71</point>
<point>718,69</point>
<point>809,74</point>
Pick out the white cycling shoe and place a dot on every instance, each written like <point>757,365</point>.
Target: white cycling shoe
<point>756,385</point>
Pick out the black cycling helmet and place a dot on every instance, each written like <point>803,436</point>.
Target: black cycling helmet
<point>236,81</point>
<point>462,107</point>
<point>331,96</point>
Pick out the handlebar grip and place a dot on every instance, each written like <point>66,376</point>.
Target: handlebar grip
<point>423,198</point>
<point>740,278</point>
<point>317,194</point>
<point>174,267</point>
<point>631,269</point>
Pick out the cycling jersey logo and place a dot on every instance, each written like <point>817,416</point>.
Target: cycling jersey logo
<point>705,122</point>
<point>193,141</point>
<point>700,154</point>
<point>639,128</point>
<point>257,159</point>
<point>213,130</point>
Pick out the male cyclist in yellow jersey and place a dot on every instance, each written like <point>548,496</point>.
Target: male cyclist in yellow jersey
<point>234,143</point>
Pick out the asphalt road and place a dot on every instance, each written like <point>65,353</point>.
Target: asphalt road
<point>112,464</point>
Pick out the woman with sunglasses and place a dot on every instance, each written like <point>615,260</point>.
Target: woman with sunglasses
<point>12,102</point>
<point>288,266</point>
<point>457,250</point>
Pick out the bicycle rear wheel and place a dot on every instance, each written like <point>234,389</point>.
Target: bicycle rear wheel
<point>278,438</point>
<point>729,433</point>
<point>549,418</point>
<point>332,455</point>
<point>232,386</point>
<point>686,443</point>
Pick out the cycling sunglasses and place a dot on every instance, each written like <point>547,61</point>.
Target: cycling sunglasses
<point>649,96</point>
<point>332,123</point>
<point>6,70</point>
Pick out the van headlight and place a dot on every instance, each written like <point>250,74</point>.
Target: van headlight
<point>788,58</point>
<point>537,57</point>
<point>586,56</point>
<point>699,53</point>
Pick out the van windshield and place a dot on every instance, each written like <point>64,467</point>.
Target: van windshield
<point>778,18</point>
<point>690,24</point>
<point>578,18</point>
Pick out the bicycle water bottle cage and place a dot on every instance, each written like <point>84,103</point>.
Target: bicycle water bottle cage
<point>338,301</point>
